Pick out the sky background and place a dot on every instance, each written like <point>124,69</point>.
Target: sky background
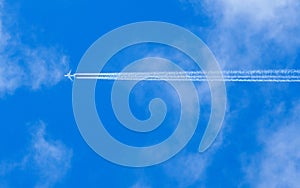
<point>40,143</point>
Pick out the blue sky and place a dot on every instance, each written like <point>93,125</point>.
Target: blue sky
<point>41,145</point>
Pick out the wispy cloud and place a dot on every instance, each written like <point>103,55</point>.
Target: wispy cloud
<point>252,33</point>
<point>277,165</point>
<point>49,159</point>
<point>140,184</point>
<point>188,169</point>
<point>24,65</point>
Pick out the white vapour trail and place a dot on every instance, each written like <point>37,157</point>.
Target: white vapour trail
<point>290,75</point>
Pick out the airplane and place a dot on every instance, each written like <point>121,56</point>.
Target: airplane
<point>69,75</point>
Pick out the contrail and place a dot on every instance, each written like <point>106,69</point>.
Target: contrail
<point>290,75</point>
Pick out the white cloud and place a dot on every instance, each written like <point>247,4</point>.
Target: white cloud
<point>252,33</point>
<point>278,164</point>
<point>187,169</point>
<point>140,184</point>
<point>49,159</point>
<point>52,158</point>
<point>23,65</point>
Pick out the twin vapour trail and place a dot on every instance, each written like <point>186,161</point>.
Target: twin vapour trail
<point>290,75</point>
